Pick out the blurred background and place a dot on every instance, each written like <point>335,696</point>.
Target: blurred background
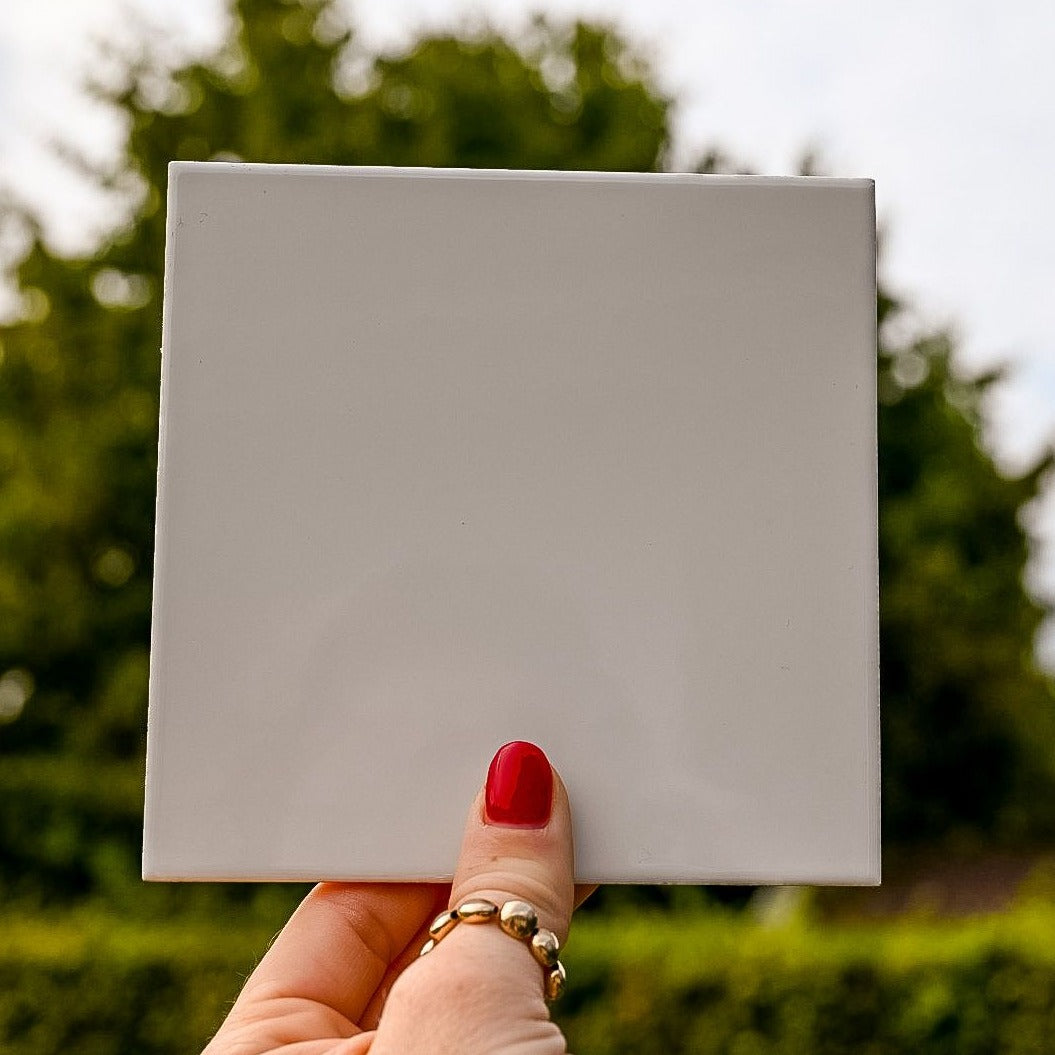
<point>945,104</point>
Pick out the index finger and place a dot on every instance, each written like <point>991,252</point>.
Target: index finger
<point>338,945</point>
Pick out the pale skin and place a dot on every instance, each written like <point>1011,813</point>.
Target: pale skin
<point>344,977</point>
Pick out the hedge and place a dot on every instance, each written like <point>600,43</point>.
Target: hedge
<point>95,985</point>
<point>717,985</point>
<point>700,984</point>
<point>68,826</point>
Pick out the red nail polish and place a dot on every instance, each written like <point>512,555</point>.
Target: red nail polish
<point>519,790</point>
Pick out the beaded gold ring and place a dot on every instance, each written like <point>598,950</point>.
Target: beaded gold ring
<point>519,920</point>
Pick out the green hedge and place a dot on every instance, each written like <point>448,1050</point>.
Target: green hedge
<point>725,986</point>
<point>68,826</point>
<point>701,984</point>
<point>98,986</point>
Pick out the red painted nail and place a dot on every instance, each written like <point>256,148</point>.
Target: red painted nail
<point>519,787</point>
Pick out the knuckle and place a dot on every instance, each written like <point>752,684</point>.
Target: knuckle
<point>519,880</point>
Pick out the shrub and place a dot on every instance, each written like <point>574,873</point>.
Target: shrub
<point>717,985</point>
<point>700,984</point>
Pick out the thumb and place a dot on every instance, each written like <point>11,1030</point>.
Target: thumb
<point>518,842</point>
<point>480,990</point>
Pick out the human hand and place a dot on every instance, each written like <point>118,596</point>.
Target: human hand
<point>344,976</point>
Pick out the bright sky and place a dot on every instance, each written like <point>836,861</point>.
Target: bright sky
<point>948,104</point>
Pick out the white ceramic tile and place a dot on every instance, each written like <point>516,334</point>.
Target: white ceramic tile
<point>455,458</point>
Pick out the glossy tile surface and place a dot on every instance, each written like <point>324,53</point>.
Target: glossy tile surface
<point>450,459</point>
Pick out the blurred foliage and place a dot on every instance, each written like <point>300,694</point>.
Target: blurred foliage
<point>967,718</point>
<point>712,984</point>
<point>638,984</point>
<point>94,961</point>
<point>79,370</point>
<point>94,985</point>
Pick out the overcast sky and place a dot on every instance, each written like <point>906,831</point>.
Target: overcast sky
<point>948,104</point>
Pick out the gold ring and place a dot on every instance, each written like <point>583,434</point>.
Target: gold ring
<point>519,920</point>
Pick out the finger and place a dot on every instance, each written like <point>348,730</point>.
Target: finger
<point>372,1012</point>
<point>517,843</point>
<point>358,1045</point>
<point>584,891</point>
<point>338,946</point>
<point>480,990</point>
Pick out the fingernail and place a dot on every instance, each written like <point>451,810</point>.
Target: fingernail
<point>519,791</point>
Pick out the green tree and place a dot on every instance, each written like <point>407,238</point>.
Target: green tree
<point>79,371</point>
<point>968,733</point>
<point>967,717</point>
